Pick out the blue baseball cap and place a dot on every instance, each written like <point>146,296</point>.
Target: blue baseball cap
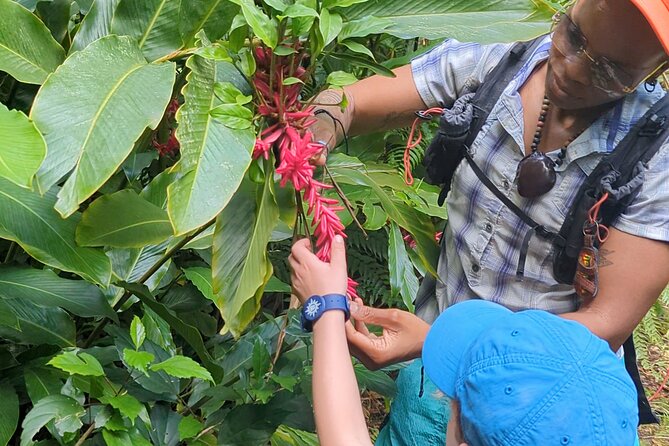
<point>529,378</point>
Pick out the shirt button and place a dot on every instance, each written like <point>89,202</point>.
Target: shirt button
<point>476,268</point>
<point>506,184</point>
<point>488,227</point>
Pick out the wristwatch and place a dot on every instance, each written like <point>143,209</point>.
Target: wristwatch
<point>316,305</point>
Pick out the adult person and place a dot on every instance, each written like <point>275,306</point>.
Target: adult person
<point>574,100</point>
<point>526,378</point>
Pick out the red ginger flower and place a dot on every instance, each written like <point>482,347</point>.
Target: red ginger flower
<point>290,135</point>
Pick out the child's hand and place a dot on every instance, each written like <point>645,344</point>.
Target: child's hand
<point>311,276</point>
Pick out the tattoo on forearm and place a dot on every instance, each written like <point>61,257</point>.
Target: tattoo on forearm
<point>604,259</point>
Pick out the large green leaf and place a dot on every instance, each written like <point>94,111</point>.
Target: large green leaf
<point>63,410</point>
<point>44,288</point>
<point>471,20</point>
<point>123,96</point>
<point>131,264</point>
<point>9,415</point>
<point>37,325</point>
<point>403,279</point>
<point>123,220</point>
<point>22,147</point>
<point>30,220</point>
<point>350,170</point>
<point>240,264</point>
<point>213,156</point>
<point>212,16</point>
<point>28,51</point>
<point>188,332</point>
<point>95,25</point>
<point>154,23</point>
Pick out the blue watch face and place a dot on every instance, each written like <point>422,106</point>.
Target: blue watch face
<point>313,308</point>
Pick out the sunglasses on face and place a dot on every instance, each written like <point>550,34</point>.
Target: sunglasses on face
<point>606,75</point>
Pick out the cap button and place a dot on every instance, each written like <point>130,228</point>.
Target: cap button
<point>508,390</point>
<point>565,440</point>
<point>515,333</point>
<point>624,424</point>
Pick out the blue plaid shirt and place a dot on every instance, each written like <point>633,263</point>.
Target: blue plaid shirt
<point>479,256</point>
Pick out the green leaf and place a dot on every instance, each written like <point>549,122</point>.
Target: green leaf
<point>41,382</point>
<point>123,220</point>
<point>279,5</point>
<point>292,81</point>
<point>138,360</point>
<point>363,27</point>
<point>212,16</point>
<point>137,332</point>
<point>477,20</point>
<point>297,10</point>
<point>96,24</point>
<point>349,170</point>
<point>330,25</point>
<point>375,216</point>
<point>286,436</point>
<point>127,404</point>
<point>127,87</point>
<point>202,279</point>
<point>28,51</point>
<point>340,79</point>
<point>240,264</point>
<point>45,288</point>
<point>214,157</point>
<point>9,415</point>
<point>189,427</point>
<point>153,23</point>
<point>183,367</point>
<point>363,62</point>
<point>233,116</point>
<point>262,26</point>
<point>276,286</point>
<point>188,332</point>
<point>64,411</point>
<point>30,220</point>
<point>341,3</point>
<point>358,48</point>
<point>403,279</point>
<point>261,360</point>
<point>123,438</point>
<point>37,325</point>
<point>77,363</point>
<point>22,147</point>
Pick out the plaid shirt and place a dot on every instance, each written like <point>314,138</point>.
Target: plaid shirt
<point>481,247</point>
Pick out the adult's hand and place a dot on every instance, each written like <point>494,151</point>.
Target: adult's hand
<point>402,338</point>
<point>310,276</point>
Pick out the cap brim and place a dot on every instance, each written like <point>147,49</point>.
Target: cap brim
<point>657,15</point>
<point>452,335</point>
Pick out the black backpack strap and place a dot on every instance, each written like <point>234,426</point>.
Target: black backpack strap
<point>489,92</point>
<point>637,148</point>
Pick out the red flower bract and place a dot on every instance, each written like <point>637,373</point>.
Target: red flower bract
<point>289,134</point>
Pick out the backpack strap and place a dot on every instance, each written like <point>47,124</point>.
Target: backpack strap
<point>489,92</point>
<point>620,171</point>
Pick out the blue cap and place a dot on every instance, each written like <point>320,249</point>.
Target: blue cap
<point>530,378</point>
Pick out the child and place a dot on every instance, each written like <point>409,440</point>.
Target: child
<point>527,378</point>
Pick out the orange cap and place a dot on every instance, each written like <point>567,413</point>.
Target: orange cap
<point>657,14</point>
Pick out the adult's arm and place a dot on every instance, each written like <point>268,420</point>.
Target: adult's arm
<point>633,272</point>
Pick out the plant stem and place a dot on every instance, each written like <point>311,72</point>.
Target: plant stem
<point>176,55</point>
<point>147,275</point>
<point>347,203</point>
<point>87,434</point>
<point>13,246</point>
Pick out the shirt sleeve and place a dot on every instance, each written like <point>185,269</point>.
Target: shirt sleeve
<point>452,69</point>
<point>648,215</point>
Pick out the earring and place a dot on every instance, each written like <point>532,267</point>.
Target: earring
<point>650,85</point>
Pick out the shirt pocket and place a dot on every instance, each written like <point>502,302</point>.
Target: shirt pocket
<point>569,182</point>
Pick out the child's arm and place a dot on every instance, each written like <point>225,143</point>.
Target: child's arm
<point>339,417</point>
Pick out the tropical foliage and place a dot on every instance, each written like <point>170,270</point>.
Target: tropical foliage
<point>146,211</point>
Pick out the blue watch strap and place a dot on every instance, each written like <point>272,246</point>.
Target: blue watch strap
<point>330,302</point>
